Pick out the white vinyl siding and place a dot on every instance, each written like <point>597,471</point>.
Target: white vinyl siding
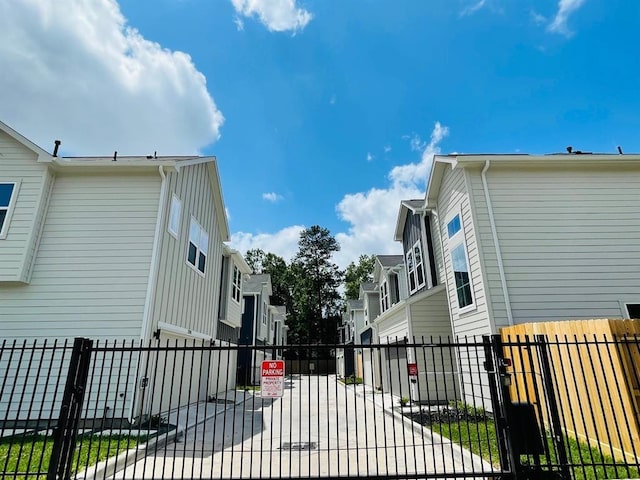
<point>19,165</point>
<point>183,296</point>
<point>454,198</point>
<point>92,266</point>
<point>568,237</point>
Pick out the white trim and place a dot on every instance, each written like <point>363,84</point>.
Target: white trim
<point>10,208</point>
<point>624,308</point>
<point>183,332</point>
<point>496,244</point>
<point>155,260</point>
<point>459,238</point>
<point>174,233</point>
<point>418,285</point>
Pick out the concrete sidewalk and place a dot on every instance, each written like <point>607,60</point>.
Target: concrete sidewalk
<point>320,427</point>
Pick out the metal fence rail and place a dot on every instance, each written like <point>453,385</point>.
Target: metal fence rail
<point>419,408</point>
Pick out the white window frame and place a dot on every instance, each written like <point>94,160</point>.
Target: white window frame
<point>455,241</point>
<point>199,244</point>
<point>384,296</point>
<point>413,266</point>
<point>4,229</point>
<point>264,313</point>
<point>236,284</point>
<point>175,216</point>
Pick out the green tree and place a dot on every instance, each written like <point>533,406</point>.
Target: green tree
<point>315,289</point>
<point>261,262</point>
<point>357,274</point>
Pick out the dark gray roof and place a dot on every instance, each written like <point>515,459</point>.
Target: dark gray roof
<point>368,287</point>
<point>390,260</point>
<point>254,282</point>
<point>355,304</point>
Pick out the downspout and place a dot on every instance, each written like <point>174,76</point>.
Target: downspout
<point>152,282</point>
<point>256,318</point>
<point>494,234</point>
<point>155,261</point>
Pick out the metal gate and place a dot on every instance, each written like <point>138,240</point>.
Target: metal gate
<point>474,408</point>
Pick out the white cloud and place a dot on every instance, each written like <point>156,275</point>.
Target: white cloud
<point>78,72</point>
<point>283,243</point>
<point>239,23</point>
<point>565,9</point>
<point>471,9</point>
<point>537,18</point>
<point>407,174</point>
<point>276,15</point>
<point>371,215</point>
<point>387,148</point>
<point>272,197</point>
<point>332,100</point>
<point>369,157</point>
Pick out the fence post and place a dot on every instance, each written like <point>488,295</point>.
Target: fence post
<point>498,402</point>
<point>66,431</point>
<point>554,416</point>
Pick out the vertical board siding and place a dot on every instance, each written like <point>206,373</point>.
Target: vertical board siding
<point>184,297</point>
<point>437,375</point>
<point>569,238</point>
<point>18,164</point>
<point>453,197</point>
<point>91,270</point>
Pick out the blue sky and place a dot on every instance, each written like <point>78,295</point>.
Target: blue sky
<point>321,112</point>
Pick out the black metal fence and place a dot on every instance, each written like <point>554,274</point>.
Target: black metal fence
<point>421,408</point>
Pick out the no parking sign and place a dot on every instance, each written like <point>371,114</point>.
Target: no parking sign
<point>272,379</point>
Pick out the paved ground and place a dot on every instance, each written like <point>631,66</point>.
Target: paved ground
<point>319,428</point>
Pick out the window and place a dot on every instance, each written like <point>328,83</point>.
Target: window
<point>198,246</point>
<point>237,284</point>
<point>415,268</point>
<point>264,313</point>
<point>8,192</point>
<point>633,310</point>
<point>384,297</point>
<point>460,263</point>
<point>174,216</point>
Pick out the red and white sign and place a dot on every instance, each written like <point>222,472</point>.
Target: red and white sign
<point>272,379</point>
<point>413,369</point>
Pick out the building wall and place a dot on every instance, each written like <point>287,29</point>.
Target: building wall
<point>185,297</point>
<point>569,238</point>
<point>92,266</point>
<point>454,197</point>
<point>19,164</point>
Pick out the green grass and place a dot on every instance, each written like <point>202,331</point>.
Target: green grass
<point>351,380</point>
<point>480,439</point>
<point>248,388</point>
<point>32,453</point>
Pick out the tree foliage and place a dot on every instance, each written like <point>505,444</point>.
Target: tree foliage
<point>308,287</point>
<point>357,274</point>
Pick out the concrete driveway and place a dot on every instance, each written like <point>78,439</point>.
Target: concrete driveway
<point>319,428</point>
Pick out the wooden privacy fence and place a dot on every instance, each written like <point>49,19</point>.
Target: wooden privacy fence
<point>596,374</point>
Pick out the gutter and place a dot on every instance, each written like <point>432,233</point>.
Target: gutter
<point>152,282</point>
<point>494,234</point>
